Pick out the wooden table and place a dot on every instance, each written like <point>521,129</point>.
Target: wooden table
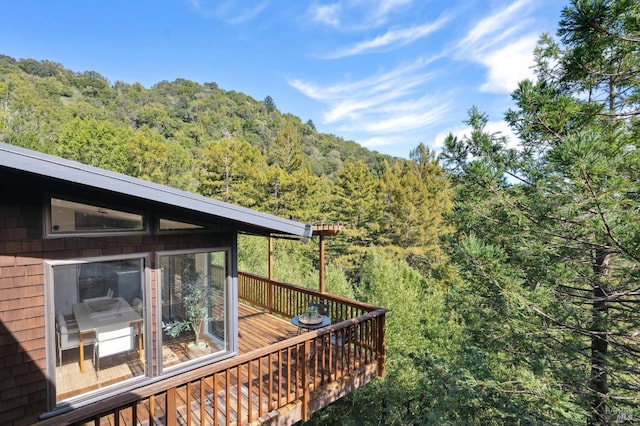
<point>90,320</point>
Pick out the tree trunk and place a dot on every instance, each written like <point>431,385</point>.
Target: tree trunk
<point>197,329</point>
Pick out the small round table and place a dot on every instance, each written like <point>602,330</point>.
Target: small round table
<point>325,322</point>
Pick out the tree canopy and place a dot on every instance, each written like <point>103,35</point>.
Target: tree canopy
<point>510,267</point>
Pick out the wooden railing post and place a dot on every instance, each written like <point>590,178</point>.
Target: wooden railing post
<point>381,345</point>
<point>306,352</point>
<point>170,404</point>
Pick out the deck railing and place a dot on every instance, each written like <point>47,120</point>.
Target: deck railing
<point>287,300</point>
<point>250,388</point>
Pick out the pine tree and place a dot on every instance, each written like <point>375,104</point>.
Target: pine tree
<point>561,212</point>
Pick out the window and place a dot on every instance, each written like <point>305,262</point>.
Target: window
<point>193,291</point>
<point>175,225</point>
<point>99,324</point>
<point>71,217</point>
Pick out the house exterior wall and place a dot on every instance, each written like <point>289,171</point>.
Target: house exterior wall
<point>23,251</point>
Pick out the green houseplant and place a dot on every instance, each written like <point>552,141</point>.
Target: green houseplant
<point>197,297</point>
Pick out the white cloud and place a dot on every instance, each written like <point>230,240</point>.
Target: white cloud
<point>390,39</point>
<point>386,140</point>
<point>384,8</point>
<point>401,76</point>
<point>384,102</point>
<point>374,98</point>
<point>509,65</point>
<point>356,14</point>
<point>387,6</point>
<point>386,108</point>
<point>326,14</point>
<point>406,122</point>
<point>229,10</point>
<point>488,26</point>
<point>248,12</point>
<point>504,44</point>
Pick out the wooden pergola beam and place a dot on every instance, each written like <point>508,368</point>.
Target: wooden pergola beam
<point>322,231</point>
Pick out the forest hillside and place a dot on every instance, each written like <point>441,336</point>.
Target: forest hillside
<point>511,268</point>
<point>228,146</point>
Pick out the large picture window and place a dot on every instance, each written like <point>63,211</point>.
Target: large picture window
<point>99,324</point>
<point>193,293</point>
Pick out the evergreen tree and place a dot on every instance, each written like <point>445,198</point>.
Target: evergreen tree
<point>269,103</point>
<point>233,171</point>
<point>286,150</point>
<point>561,214</point>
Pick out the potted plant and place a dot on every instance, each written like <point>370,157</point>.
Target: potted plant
<point>197,297</point>
<point>310,316</point>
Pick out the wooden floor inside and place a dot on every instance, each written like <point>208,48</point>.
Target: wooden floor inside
<point>256,329</point>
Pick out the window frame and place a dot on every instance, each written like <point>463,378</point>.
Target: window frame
<point>48,220</point>
<point>198,227</point>
<point>230,320</point>
<point>50,333</point>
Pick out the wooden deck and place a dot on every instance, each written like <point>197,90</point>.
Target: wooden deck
<point>280,376</point>
<point>256,329</point>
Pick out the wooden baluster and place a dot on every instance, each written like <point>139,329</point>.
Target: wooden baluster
<point>189,390</point>
<point>239,395</point>
<point>305,382</point>
<point>152,405</point>
<point>227,389</point>
<point>250,392</point>
<point>170,407</point>
<point>203,404</point>
<point>260,394</point>
<point>215,399</point>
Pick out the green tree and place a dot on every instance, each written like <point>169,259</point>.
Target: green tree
<point>355,196</point>
<point>294,195</point>
<point>98,143</point>
<point>233,171</point>
<point>269,103</point>
<point>414,197</point>
<point>286,150</point>
<point>417,325</point>
<point>561,212</point>
<point>148,155</point>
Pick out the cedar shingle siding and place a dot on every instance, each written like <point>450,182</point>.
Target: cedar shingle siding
<point>27,179</point>
<point>23,384</point>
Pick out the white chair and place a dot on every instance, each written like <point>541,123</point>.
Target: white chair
<point>112,340</point>
<point>67,334</point>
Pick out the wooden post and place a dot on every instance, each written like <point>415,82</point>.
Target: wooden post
<point>381,345</point>
<point>171,407</point>
<point>305,380</point>
<point>270,258</point>
<point>323,231</point>
<point>321,266</point>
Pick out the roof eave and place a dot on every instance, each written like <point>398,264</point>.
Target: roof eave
<point>48,166</point>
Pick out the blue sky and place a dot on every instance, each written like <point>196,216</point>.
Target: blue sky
<point>388,74</point>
